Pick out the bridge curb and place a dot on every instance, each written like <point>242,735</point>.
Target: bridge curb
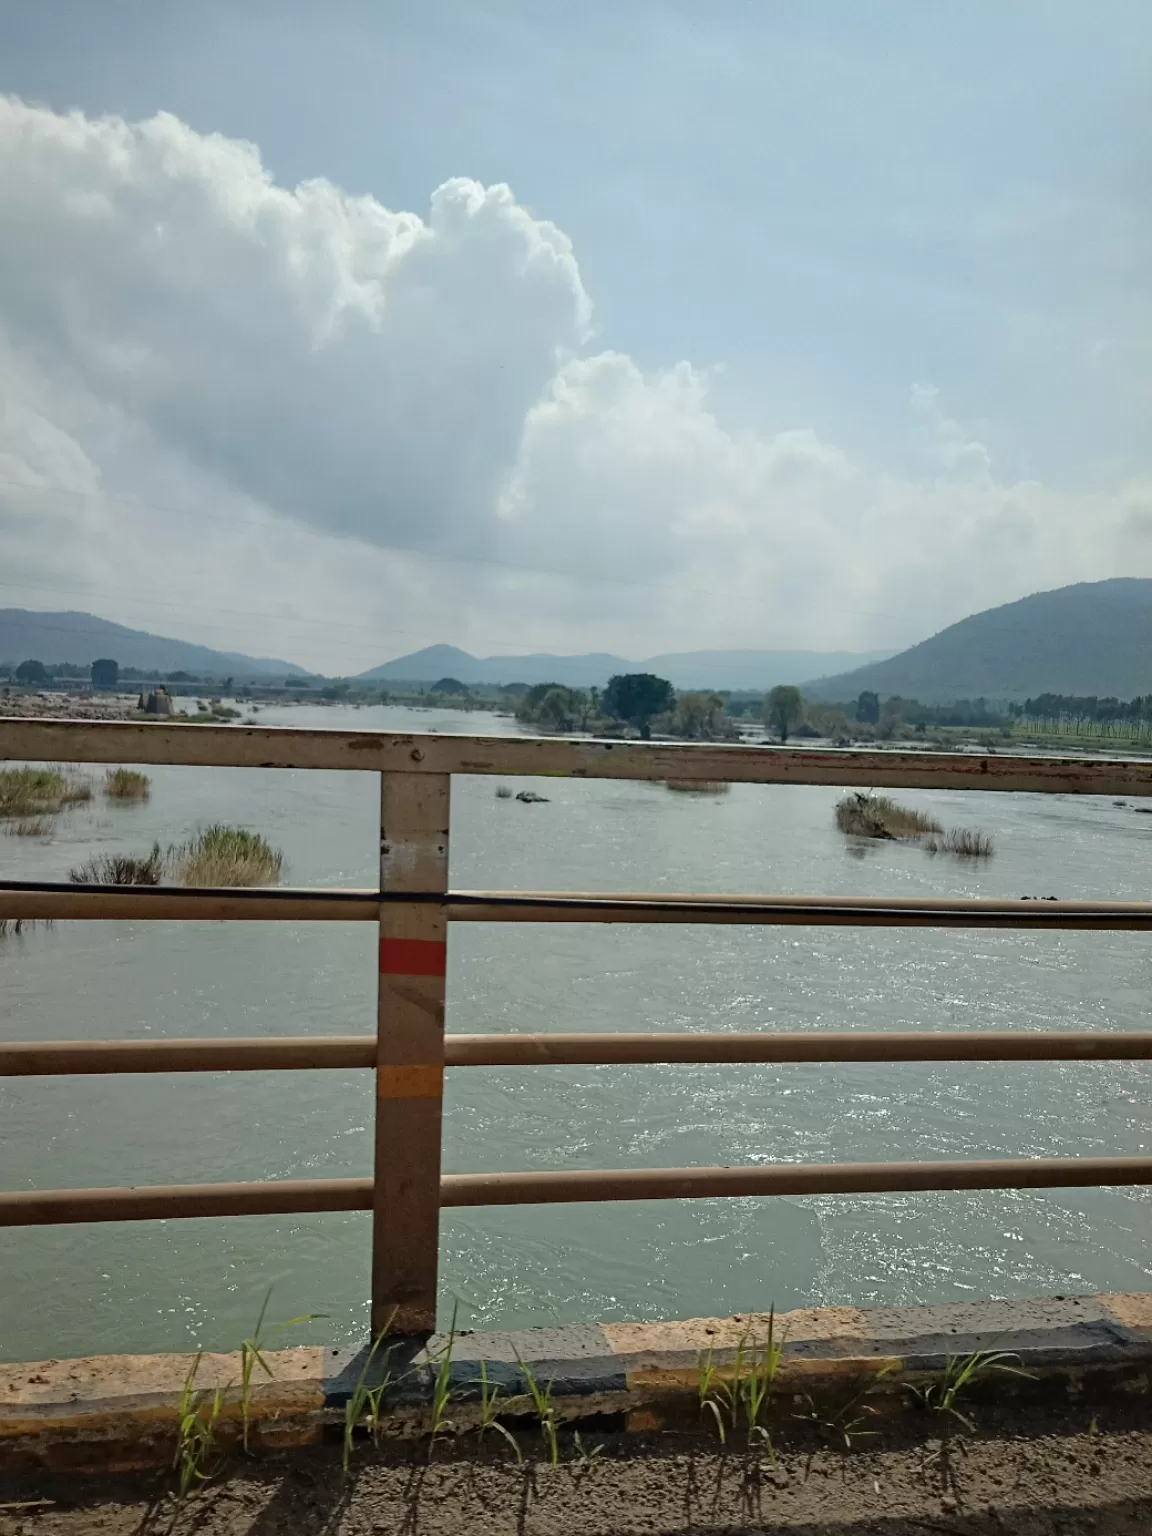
<point>118,1412</point>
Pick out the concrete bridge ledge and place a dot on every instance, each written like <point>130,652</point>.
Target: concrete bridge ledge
<point>119,1412</point>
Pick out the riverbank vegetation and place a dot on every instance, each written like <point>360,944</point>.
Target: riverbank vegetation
<point>637,702</point>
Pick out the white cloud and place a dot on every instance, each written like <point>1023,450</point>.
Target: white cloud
<point>234,398</point>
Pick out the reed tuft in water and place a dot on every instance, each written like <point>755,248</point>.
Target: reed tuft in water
<point>220,856</point>
<point>126,784</point>
<point>32,826</point>
<point>28,793</point>
<point>121,869</point>
<point>217,856</point>
<point>963,842</point>
<point>878,816</point>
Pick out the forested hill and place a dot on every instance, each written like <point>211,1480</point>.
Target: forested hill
<point>1091,638</point>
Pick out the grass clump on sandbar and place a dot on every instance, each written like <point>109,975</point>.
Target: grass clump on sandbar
<point>126,784</point>
<point>878,816</point>
<point>698,786</point>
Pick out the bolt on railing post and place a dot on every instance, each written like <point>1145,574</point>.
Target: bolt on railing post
<point>414,811</point>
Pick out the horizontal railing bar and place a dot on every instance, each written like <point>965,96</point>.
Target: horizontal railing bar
<point>794,1179</point>
<point>55,902</point>
<point>810,1046</point>
<point>241,746</point>
<point>814,911</point>
<point>46,901</point>
<point>160,1202</point>
<point>62,1207</point>
<point>58,1058</point>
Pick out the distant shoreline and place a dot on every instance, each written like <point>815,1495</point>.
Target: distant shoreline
<point>123,707</point>
<point>65,706</point>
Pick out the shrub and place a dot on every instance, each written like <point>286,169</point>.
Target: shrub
<point>126,784</point>
<point>121,869</point>
<point>222,855</point>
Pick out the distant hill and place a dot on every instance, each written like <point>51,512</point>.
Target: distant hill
<point>437,661</point>
<point>55,638</point>
<point>1091,638</point>
<point>687,669</point>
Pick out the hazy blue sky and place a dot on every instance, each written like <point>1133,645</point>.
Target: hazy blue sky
<point>901,249</point>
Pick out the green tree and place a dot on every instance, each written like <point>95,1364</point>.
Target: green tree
<point>783,708</point>
<point>552,706</point>
<point>635,697</point>
<point>105,673</point>
<point>33,672</point>
<point>449,685</point>
<point>868,708</point>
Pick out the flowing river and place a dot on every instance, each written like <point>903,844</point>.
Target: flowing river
<point>173,1285</point>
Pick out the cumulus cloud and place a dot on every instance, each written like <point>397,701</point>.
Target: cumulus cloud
<point>209,378</point>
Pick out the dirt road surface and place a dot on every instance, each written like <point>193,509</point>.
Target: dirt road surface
<point>1067,1477</point>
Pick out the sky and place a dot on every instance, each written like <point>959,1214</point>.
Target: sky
<point>333,331</point>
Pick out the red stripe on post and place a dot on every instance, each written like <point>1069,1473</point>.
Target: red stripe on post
<point>413,957</point>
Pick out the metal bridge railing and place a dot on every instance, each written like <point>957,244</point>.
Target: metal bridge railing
<point>413,908</point>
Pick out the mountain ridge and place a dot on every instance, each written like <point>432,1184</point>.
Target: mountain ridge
<point>1090,638</point>
<point>71,636</point>
<point>751,669</point>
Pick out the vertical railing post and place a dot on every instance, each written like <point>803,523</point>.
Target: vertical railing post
<point>414,810</point>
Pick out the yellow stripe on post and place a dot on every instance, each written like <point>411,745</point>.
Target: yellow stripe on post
<point>415,1082</point>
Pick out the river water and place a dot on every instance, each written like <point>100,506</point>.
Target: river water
<point>149,1286</point>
